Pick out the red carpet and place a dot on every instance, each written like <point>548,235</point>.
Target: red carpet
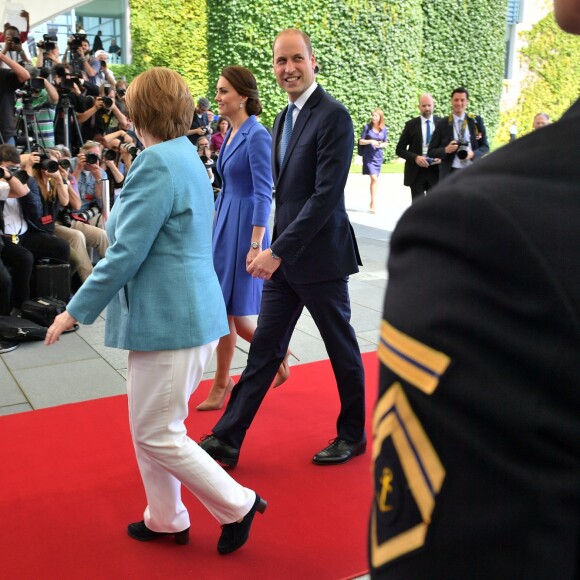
<point>70,485</point>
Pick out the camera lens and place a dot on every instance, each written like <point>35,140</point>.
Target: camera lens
<point>49,165</point>
<point>64,163</point>
<point>92,158</point>
<point>108,102</point>
<point>110,154</point>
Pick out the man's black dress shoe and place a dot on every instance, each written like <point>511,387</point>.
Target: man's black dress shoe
<point>220,451</point>
<point>139,531</point>
<point>339,451</point>
<point>235,535</point>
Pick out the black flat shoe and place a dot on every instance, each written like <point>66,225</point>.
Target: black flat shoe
<point>139,531</point>
<point>235,535</point>
<point>339,451</point>
<point>226,454</point>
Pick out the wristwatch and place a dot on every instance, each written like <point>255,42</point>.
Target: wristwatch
<point>256,245</point>
<point>274,255</point>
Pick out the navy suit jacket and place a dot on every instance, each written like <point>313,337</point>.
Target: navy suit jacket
<point>443,135</point>
<point>410,146</point>
<point>312,232</point>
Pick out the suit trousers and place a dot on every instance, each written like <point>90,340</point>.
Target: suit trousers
<point>282,303</point>
<point>159,385</point>
<point>426,179</point>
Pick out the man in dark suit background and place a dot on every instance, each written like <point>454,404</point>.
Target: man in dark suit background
<point>421,172</point>
<point>459,139</point>
<point>312,254</point>
<point>477,448</point>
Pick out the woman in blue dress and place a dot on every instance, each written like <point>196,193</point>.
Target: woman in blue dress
<point>374,139</point>
<point>241,219</point>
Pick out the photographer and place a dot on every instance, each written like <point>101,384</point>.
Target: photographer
<point>24,241</point>
<point>71,105</point>
<point>49,54</point>
<point>11,79</point>
<point>89,177</point>
<point>81,61</point>
<point>13,47</point>
<point>37,103</point>
<point>460,139</point>
<point>105,74</point>
<point>200,124</point>
<point>208,158</point>
<point>96,120</point>
<point>72,224</point>
<point>13,283</point>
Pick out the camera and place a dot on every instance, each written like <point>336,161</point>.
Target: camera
<point>64,163</point>
<point>107,101</point>
<point>121,92</point>
<point>49,42</point>
<point>15,40</point>
<point>462,149</point>
<point>110,154</point>
<point>205,130</point>
<point>65,218</point>
<point>36,83</point>
<point>130,148</point>
<point>85,216</point>
<point>20,174</point>
<point>207,161</point>
<point>76,41</point>
<point>92,158</point>
<point>46,164</point>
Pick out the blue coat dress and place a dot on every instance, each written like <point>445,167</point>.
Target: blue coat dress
<point>157,275</point>
<point>244,202</point>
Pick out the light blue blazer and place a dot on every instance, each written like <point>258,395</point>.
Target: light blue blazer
<point>157,276</point>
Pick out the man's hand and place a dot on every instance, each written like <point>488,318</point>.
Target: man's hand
<point>421,161</point>
<point>263,265</point>
<point>452,147</point>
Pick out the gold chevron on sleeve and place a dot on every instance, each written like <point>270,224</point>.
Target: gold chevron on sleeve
<point>418,364</point>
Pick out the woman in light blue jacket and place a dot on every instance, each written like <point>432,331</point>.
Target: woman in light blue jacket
<point>165,306</point>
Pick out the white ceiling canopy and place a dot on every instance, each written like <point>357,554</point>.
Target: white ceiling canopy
<point>39,10</point>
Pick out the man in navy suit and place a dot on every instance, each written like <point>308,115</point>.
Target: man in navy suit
<point>421,172</point>
<point>459,139</point>
<point>312,254</point>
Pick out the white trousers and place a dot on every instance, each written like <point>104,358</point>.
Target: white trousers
<point>159,385</point>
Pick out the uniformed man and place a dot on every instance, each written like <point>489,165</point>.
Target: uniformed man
<point>477,427</point>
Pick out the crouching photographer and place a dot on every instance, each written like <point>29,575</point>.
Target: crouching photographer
<point>74,227</point>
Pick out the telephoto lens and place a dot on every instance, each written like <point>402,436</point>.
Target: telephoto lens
<point>20,174</point>
<point>47,164</point>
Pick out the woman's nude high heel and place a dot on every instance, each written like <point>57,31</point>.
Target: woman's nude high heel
<point>216,397</point>
<point>284,370</point>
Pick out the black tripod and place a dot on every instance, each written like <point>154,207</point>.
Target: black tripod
<point>65,109</point>
<point>26,120</point>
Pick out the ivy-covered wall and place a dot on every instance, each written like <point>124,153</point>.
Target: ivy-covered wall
<point>553,82</point>
<point>371,53</point>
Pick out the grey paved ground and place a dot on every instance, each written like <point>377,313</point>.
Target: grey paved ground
<point>80,368</point>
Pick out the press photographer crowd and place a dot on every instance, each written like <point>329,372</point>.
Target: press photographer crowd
<point>66,144</point>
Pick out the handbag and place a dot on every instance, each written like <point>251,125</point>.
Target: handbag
<point>21,329</point>
<point>360,148</point>
<point>43,310</point>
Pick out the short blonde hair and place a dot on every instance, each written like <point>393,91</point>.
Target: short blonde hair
<point>159,103</point>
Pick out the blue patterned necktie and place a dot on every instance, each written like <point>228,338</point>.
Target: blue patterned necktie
<point>287,133</point>
<point>428,135</point>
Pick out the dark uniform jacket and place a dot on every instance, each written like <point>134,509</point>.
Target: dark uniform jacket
<point>477,425</point>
